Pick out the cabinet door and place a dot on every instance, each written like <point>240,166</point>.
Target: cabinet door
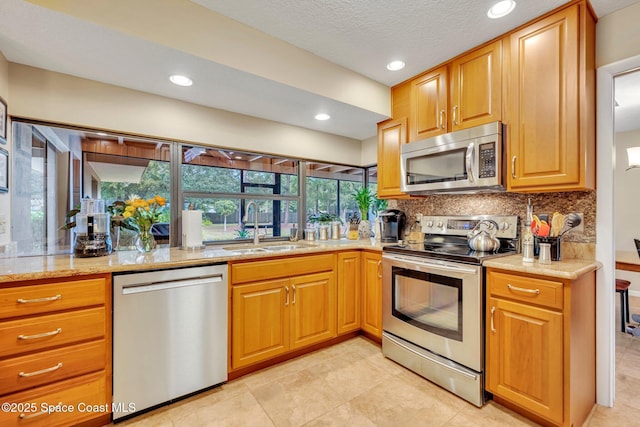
<point>524,356</point>
<point>348,291</point>
<point>476,88</point>
<point>313,309</point>
<point>429,105</point>
<point>545,150</point>
<point>260,321</point>
<point>372,293</point>
<point>391,135</point>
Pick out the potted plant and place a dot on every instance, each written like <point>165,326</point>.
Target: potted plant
<point>364,197</point>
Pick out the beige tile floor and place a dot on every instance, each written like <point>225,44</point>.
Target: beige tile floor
<point>352,384</point>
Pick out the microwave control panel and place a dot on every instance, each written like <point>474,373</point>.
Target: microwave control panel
<point>487,160</point>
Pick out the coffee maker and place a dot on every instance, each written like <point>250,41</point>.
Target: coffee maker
<point>392,225</point>
<point>93,230</point>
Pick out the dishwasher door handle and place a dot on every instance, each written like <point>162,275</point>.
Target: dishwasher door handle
<point>170,284</point>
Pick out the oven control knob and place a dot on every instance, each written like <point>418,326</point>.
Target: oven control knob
<point>504,226</point>
<point>440,224</point>
<point>429,224</point>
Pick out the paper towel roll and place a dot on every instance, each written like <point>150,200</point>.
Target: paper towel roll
<point>191,228</point>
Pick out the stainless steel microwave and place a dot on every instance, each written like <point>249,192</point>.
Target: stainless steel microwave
<point>465,161</point>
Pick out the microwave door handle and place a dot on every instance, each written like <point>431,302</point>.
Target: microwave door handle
<point>469,161</point>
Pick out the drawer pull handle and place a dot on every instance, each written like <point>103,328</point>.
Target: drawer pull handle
<point>42,335</point>
<point>41,371</point>
<point>286,290</point>
<point>46,299</point>
<point>24,416</point>
<point>294,294</point>
<point>493,329</point>
<point>529,291</point>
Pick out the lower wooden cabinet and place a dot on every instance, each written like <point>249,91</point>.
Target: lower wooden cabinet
<point>55,351</point>
<point>349,286</point>
<point>540,345</point>
<point>372,293</point>
<point>272,317</point>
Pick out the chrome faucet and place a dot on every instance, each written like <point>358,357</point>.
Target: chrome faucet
<point>256,227</point>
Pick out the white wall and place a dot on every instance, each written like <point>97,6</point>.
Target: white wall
<point>47,96</point>
<point>5,206</point>
<point>369,151</point>
<point>618,35</point>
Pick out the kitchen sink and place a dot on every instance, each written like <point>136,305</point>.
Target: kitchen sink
<point>243,249</point>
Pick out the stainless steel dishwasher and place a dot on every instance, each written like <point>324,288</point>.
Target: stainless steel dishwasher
<point>169,335</point>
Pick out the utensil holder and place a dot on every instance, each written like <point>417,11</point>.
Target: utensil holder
<point>555,242</point>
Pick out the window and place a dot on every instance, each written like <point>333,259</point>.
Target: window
<point>55,167</point>
<point>222,182</point>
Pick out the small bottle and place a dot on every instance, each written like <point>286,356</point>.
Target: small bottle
<point>527,236</point>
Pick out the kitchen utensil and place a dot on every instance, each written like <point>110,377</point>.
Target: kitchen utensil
<point>557,221</point>
<point>572,220</point>
<point>483,237</point>
<point>545,253</point>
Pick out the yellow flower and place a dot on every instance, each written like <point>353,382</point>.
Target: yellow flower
<point>143,213</point>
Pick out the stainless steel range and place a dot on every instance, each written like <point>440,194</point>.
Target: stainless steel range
<point>432,301</point>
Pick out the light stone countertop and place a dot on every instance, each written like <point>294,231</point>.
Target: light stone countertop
<point>564,269</point>
<point>44,267</point>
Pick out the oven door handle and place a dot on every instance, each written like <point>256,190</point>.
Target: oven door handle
<point>444,365</point>
<point>444,267</point>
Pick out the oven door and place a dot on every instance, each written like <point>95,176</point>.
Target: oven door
<point>436,305</point>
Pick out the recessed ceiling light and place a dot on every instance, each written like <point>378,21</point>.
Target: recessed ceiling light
<point>238,157</point>
<point>500,9</point>
<point>101,134</point>
<point>322,116</point>
<point>395,65</point>
<point>180,80</point>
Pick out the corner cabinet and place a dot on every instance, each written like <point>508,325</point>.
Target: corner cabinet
<point>550,115</point>
<point>372,293</point>
<point>540,345</point>
<point>391,135</point>
<point>280,305</point>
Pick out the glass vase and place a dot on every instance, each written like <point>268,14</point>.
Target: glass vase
<point>145,241</point>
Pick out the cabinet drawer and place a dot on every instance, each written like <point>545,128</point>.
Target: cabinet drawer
<point>37,333</point>
<point>23,372</point>
<point>282,267</point>
<point>36,299</point>
<point>86,396</point>
<point>527,289</point>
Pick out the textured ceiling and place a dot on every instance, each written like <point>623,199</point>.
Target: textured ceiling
<point>285,60</point>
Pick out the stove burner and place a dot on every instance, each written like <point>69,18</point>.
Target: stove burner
<point>447,241</point>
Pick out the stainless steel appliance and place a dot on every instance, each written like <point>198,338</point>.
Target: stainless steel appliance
<point>392,225</point>
<point>469,160</point>
<point>432,302</point>
<point>169,335</point>
<point>93,230</point>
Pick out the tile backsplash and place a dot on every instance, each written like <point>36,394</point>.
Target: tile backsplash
<point>508,204</point>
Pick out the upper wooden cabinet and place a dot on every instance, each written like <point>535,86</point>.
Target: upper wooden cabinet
<point>464,93</point>
<point>476,88</point>
<point>391,135</point>
<point>550,117</point>
<point>429,104</point>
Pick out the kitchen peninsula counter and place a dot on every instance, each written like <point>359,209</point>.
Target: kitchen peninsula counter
<point>44,267</point>
<point>570,269</point>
